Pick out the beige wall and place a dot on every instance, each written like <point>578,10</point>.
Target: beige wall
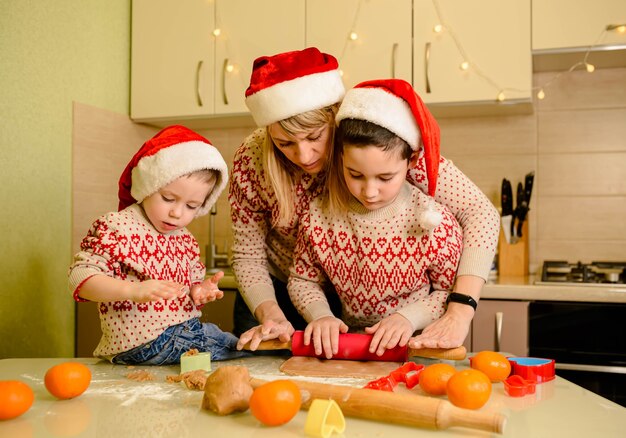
<point>575,141</point>
<point>52,53</point>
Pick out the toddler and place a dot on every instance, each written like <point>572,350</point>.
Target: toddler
<point>143,266</point>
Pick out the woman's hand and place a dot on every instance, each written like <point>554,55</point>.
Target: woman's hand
<point>207,291</point>
<point>389,332</point>
<point>325,335</point>
<point>154,290</point>
<point>274,325</point>
<point>449,331</point>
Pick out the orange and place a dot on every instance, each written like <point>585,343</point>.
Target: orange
<point>67,380</point>
<point>433,378</point>
<point>16,397</point>
<point>275,403</point>
<point>469,389</point>
<point>494,365</point>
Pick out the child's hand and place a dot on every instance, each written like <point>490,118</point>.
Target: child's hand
<point>207,291</point>
<point>325,334</point>
<point>389,332</point>
<point>155,290</point>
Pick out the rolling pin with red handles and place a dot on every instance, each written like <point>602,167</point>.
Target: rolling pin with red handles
<point>355,346</point>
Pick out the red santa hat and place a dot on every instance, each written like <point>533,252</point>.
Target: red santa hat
<point>291,83</point>
<point>394,105</point>
<point>173,152</point>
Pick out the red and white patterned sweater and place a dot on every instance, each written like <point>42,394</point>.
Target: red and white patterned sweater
<point>258,249</point>
<point>380,262</point>
<point>126,246</point>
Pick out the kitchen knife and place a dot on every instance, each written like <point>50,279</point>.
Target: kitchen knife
<point>521,209</point>
<point>355,346</point>
<point>528,187</point>
<point>506,201</point>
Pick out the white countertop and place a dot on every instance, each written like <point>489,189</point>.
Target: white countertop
<point>114,406</point>
<point>527,288</point>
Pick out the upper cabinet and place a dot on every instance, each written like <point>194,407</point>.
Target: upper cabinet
<point>493,39</point>
<point>563,24</point>
<point>193,59</point>
<point>371,39</point>
<point>172,68</point>
<point>249,29</point>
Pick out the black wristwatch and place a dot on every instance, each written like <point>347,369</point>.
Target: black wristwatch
<point>462,298</point>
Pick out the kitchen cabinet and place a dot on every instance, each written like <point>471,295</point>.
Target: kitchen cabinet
<point>382,42</point>
<point>249,29</point>
<point>501,325</point>
<point>220,312</point>
<point>560,25</point>
<point>193,59</point>
<point>493,37</point>
<point>172,60</point>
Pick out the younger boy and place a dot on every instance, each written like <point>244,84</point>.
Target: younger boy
<point>143,266</point>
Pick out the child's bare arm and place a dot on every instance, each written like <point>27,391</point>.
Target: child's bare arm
<point>102,288</point>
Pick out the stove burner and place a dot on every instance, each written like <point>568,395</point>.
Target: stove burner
<point>594,272</point>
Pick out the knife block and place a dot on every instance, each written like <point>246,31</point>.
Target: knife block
<point>513,257</point>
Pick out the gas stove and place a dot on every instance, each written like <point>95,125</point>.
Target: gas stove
<point>599,273</point>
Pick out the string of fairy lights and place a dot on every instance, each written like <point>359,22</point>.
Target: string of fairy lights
<point>467,65</point>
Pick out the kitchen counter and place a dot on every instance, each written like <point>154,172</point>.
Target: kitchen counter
<point>527,288</point>
<point>114,406</point>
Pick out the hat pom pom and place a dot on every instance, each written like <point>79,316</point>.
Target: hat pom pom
<point>431,218</point>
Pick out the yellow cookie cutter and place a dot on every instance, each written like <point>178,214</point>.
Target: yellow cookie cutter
<point>324,418</point>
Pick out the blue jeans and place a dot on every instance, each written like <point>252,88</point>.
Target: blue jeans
<point>178,339</point>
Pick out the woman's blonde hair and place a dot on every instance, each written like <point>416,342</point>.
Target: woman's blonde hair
<point>279,170</point>
<point>359,134</point>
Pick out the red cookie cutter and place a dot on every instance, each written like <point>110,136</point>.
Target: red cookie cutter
<point>517,386</point>
<point>533,369</point>
<point>409,374</point>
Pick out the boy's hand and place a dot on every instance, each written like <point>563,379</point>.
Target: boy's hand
<point>389,332</point>
<point>155,290</point>
<point>207,291</point>
<point>325,334</point>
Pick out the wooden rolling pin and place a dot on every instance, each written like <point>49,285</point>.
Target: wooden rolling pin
<point>355,346</point>
<point>391,407</point>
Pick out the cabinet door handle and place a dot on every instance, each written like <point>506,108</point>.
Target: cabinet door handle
<point>224,95</point>
<point>426,66</point>
<point>198,96</point>
<point>499,318</point>
<point>394,50</point>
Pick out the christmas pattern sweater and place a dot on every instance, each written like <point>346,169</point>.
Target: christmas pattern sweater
<point>380,262</point>
<point>260,250</point>
<point>126,246</point>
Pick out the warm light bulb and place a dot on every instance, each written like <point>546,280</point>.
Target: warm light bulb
<point>541,94</point>
<point>438,28</point>
<point>590,67</point>
<point>230,68</point>
<point>501,96</point>
<point>621,29</point>
<point>354,36</point>
<point>217,32</point>
<point>464,65</point>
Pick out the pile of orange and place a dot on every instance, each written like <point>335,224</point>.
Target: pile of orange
<point>67,380</point>
<point>469,389</point>
<point>275,403</point>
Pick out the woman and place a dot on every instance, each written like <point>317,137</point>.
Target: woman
<point>294,96</point>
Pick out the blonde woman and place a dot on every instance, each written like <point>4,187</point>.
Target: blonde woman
<point>280,167</point>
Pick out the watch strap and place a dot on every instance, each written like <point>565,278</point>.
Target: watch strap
<point>456,297</point>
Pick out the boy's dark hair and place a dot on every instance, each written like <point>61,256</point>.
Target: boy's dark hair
<point>356,133</point>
